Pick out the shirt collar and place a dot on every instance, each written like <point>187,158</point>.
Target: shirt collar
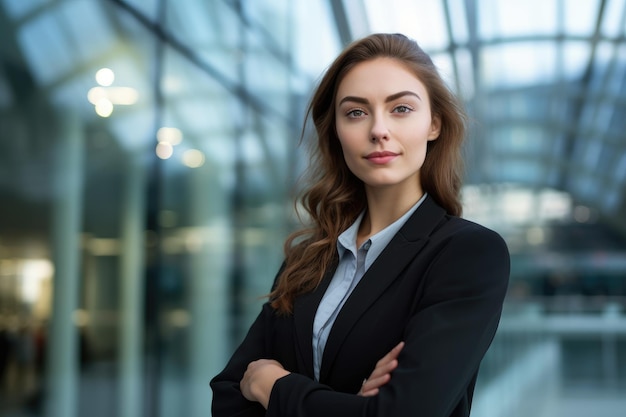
<point>377,242</point>
<point>347,239</point>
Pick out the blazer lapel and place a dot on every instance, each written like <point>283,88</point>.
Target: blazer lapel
<point>404,246</point>
<point>304,309</point>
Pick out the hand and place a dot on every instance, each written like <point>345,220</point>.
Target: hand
<point>259,378</point>
<point>381,373</point>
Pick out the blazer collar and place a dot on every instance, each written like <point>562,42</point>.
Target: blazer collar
<point>304,309</point>
<point>404,246</point>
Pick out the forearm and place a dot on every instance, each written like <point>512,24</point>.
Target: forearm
<point>259,379</point>
<point>227,396</point>
<point>297,395</point>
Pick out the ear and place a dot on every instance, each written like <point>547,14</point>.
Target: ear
<point>435,127</point>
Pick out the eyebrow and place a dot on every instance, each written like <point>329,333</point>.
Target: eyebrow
<point>387,100</point>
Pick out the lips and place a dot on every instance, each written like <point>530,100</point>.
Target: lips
<point>381,157</point>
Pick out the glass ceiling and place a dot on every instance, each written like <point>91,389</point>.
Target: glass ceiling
<point>544,80</point>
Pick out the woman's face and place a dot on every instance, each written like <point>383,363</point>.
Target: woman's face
<point>384,123</point>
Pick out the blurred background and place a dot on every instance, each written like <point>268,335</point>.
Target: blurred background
<point>148,161</point>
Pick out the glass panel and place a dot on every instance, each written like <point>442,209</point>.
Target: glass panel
<point>518,64</point>
<point>508,107</point>
<point>465,74</point>
<point>18,9</point>
<point>612,199</point>
<point>519,140</point>
<point>521,171</point>
<point>616,78</point>
<point>269,79</point>
<point>148,8</point>
<point>613,22</point>
<point>581,186</point>
<point>605,111</point>
<point>580,16</point>
<point>575,59</point>
<point>620,172</point>
<point>458,20</point>
<point>313,60</point>
<point>50,63</point>
<point>592,154</point>
<point>503,19</point>
<point>274,19</point>
<point>86,24</point>
<point>422,21</point>
<point>446,69</point>
<point>211,30</point>
<point>616,126</point>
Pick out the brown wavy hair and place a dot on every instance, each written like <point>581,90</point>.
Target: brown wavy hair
<point>335,196</point>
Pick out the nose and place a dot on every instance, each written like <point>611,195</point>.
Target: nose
<point>379,130</point>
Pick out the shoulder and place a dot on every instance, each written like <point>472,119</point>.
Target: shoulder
<point>463,248</point>
<point>443,236</point>
<point>465,233</point>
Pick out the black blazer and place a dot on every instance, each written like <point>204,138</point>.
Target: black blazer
<point>438,285</point>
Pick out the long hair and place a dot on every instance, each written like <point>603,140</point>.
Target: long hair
<point>335,196</point>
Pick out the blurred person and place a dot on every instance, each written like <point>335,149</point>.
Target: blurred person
<point>6,346</point>
<point>386,304</point>
<point>24,356</point>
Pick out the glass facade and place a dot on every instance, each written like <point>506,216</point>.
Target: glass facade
<point>150,154</point>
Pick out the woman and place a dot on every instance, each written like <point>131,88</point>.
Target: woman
<point>386,305</point>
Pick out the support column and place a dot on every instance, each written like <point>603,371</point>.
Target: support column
<point>132,266</point>
<point>66,247</point>
<point>208,293</point>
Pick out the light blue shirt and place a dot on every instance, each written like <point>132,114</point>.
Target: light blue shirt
<point>353,263</point>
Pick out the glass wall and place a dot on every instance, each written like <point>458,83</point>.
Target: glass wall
<point>148,165</point>
<point>149,157</point>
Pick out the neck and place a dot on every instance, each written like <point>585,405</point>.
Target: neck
<point>385,206</point>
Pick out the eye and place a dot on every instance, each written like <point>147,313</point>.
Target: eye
<point>402,109</point>
<point>355,113</point>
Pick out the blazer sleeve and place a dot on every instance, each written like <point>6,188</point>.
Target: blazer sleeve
<point>449,332</point>
<point>228,401</point>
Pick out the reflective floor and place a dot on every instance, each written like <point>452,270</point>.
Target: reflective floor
<point>589,403</point>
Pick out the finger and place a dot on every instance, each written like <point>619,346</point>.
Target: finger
<point>369,388</point>
<point>376,382</point>
<point>382,372</point>
<point>395,352</point>
<point>369,393</point>
<point>397,349</point>
<point>383,369</point>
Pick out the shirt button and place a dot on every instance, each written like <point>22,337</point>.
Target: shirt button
<point>367,245</point>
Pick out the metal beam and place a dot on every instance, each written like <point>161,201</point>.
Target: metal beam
<point>341,21</point>
<point>578,107</point>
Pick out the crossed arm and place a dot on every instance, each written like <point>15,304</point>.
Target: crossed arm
<point>260,376</point>
<point>446,337</point>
